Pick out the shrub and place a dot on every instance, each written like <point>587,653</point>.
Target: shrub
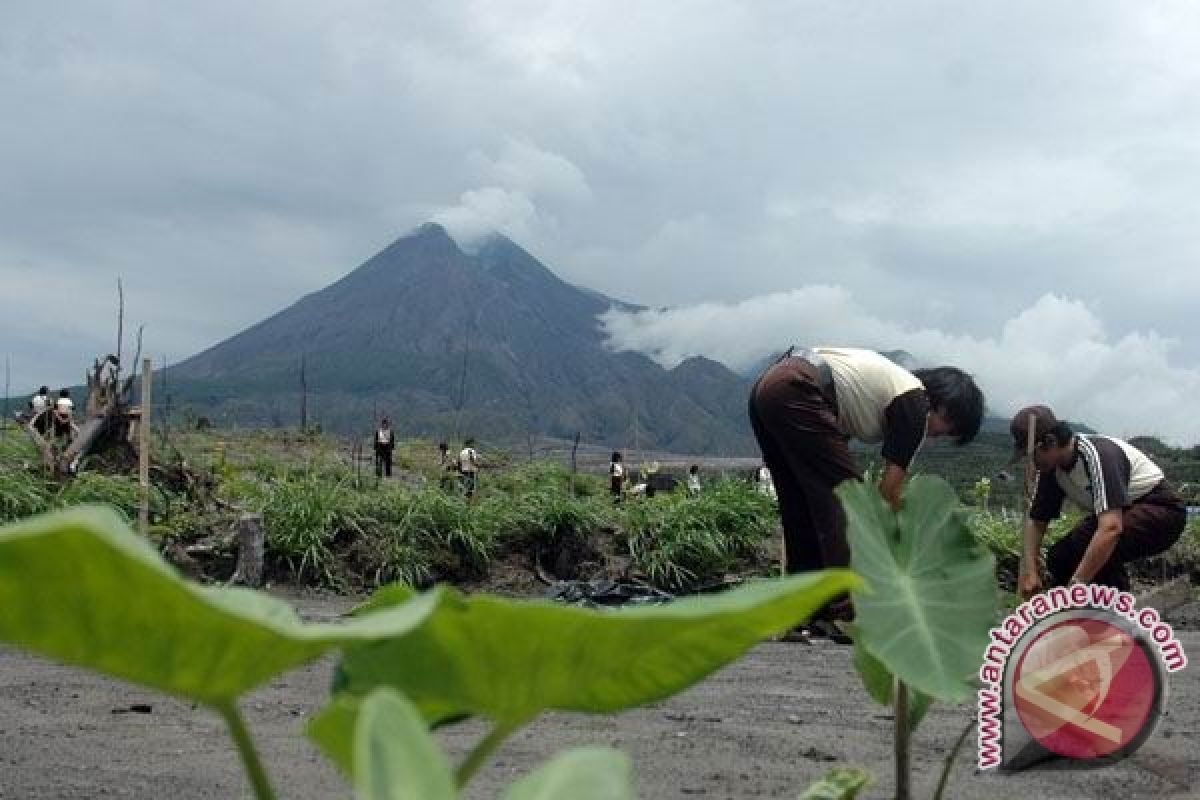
<point>301,518</point>
<point>679,541</point>
<point>23,493</point>
<point>117,491</point>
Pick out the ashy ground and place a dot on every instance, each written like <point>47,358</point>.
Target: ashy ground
<point>764,727</point>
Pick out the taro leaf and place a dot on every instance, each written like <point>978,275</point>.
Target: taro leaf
<point>839,784</point>
<point>931,595</point>
<point>584,773</point>
<point>80,587</point>
<point>881,685</point>
<point>395,758</point>
<point>383,743</point>
<point>510,659</point>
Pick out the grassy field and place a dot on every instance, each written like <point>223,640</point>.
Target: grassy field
<point>330,522</point>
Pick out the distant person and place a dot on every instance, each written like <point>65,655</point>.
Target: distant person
<point>693,480</point>
<point>616,477</point>
<point>385,445</point>
<point>443,455</point>
<point>39,405</point>
<point>1132,510</point>
<point>468,468</point>
<point>806,407</point>
<point>650,478</point>
<point>64,413</point>
<point>40,401</point>
<point>763,482</point>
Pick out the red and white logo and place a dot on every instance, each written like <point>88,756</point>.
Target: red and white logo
<point>1084,688</point>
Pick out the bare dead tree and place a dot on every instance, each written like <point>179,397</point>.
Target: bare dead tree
<point>303,395</point>
<point>121,328</point>
<point>574,462</point>
<point>462,378</point>
<point>7,392</point>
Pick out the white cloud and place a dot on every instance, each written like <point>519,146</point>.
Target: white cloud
<point>1057,351</point>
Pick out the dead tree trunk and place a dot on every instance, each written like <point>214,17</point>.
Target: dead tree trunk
<point>251,542</point>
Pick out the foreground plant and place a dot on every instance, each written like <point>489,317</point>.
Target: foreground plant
<point>922,623</point>
<point>81,588</point>
<point>510,660</point>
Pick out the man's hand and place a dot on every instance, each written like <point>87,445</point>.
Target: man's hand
<point>892,484</point>
<point>1030,582</point>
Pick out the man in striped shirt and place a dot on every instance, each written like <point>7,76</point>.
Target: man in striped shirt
<point>805,408</point>
<point>1132,510</point>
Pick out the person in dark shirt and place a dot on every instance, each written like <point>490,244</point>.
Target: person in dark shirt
<point>805,408</point>
<point>1132,512</point>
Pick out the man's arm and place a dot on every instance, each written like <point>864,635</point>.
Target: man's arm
<point>1108,528</point>
<point>892,483</point>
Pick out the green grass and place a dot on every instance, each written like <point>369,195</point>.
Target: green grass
<point>681,542</point>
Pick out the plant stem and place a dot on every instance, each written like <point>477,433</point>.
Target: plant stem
<point>902,773</point>
<point>477,757</point>
<point>962,737</point>
<point>245,746</point>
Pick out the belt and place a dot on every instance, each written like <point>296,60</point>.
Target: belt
<point>824,372</point>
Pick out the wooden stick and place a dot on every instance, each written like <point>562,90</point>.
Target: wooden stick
<point>144,448</point>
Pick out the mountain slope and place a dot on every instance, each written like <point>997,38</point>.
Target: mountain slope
<point>445,341</point>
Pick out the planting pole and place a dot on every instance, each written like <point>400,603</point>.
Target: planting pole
<point>144,449</point>
<point>1030,439</point>
<point>4,428</point>
<point>902,770</point>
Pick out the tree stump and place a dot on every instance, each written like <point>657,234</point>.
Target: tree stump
<point>251,542</point>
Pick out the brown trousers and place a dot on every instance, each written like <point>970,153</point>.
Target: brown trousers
<point>1148,527</point>
<point>796,428</point>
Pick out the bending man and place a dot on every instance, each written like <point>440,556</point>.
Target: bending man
<point>806,407</point>
<point>1132,511</point>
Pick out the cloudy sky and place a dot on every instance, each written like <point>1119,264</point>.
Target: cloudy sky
<point>1011,186</point>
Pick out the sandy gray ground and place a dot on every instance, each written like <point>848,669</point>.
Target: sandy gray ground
<point>763,727</point>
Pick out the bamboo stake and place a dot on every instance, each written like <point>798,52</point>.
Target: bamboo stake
<point>144,448</point>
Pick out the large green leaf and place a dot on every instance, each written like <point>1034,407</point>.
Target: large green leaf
<point>584,773</point>
<point>382,742</point>
<point>881,684</point>
<point>931,590</point>
<point>510,659</point>
<point>395,758</point>
<point>839,784</point>
<point>80,587</point>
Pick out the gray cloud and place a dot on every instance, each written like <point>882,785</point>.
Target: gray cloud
<point>946,166</point>
<point>1056,352</point>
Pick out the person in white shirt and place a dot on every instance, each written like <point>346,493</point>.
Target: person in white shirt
<point>1132,511</point>
<point>468,467</point>
<point>762,480</point>
<point>693,480</point>
<point>39,404</point>
<point>616,477</point>
<point>804,410</point>
<point>385,444</point>
<point>40,401</point>
<point>64,411</point>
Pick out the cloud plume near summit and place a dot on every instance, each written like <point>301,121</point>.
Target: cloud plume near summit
<point>1056,351</point>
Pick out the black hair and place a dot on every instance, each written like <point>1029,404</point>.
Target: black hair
<point>44,390</point>
<point>64,393</point>
<point>695,468</point>
<point>443,446</point>
<point>954,393</point>
<point>616,456</point>
<point>1061,433</point>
